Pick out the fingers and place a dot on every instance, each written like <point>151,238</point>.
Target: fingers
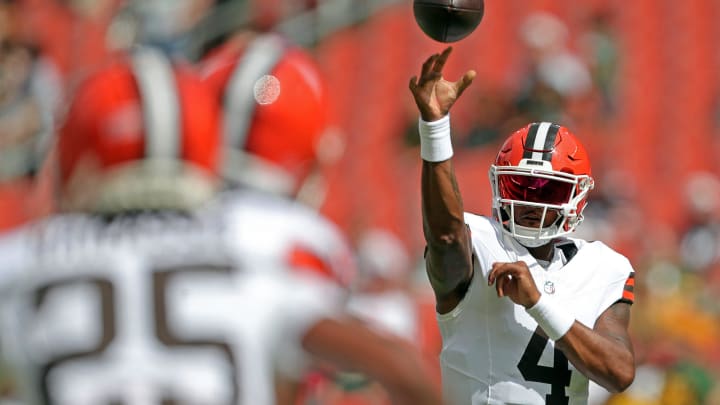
<point>498,270</point>
<point>436,62</point>
<point>433,66</point>
<point>427,67</point>
<point>502,285</point>
<point>441,59</point>
<point>503,275</point>
<point>465,82</point>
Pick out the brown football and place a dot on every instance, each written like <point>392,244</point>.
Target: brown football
<point>448,20</point>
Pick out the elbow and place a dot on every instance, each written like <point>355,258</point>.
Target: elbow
<point>626,379</point>
<point>444,231</point>
<point>623,378</point>
<point>448,237</point>
<point>444,242</point>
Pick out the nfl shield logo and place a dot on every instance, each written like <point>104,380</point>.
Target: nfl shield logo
<point>549,287</point>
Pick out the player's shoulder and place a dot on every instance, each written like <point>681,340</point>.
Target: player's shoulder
<point>21,248</point>
<point>15,252</point>
<point>250,207</point>
<point>264,227</point>
<point>487,238</point>
<point>60,227</point>
<point>480,223</point>
<point>599,252</point>
<point>483,227</point>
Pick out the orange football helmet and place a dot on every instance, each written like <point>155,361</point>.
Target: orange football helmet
<point>141,133</point>
<point>275,107</point>
<point>542,165</point>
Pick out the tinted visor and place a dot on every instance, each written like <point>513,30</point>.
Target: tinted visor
<point>534,189</point>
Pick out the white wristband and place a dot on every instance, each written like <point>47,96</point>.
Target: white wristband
<point>435,144</point>
<point>554,320</point>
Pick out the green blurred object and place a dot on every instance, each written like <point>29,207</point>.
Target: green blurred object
<point>697,378</point>
<point>349,381</point>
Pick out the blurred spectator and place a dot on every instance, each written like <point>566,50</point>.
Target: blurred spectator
<point>71,33</point>
<point>164,24</point>
<point>30,96</point>
<point>555,74</point>
<point>494,117</point>
<point>700,240</point>
<point>20,114</point>
<point>613,214</point>
<point>599,47</point>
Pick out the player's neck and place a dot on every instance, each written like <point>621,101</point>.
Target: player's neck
<point>544,252</point>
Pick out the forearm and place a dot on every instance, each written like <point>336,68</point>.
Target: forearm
<point>403,375</point>
<point>350,345</point>
<point>442,206</point>
<point>606,360</point>
<point>449,257</point>
<point>604,354</point>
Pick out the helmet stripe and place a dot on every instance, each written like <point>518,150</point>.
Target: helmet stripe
<point>549,144</point>
<point>160,105</point>
<point>260,58</point>
<point>530,141</point>
<point>540,141</point>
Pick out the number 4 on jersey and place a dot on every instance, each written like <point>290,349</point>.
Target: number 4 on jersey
<point>558,376</point>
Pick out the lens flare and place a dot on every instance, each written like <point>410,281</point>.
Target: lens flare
<point>266,89</point>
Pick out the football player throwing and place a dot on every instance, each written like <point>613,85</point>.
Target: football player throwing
<point>528,313</point>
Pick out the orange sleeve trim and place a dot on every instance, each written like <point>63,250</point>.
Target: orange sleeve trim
<point>628,296</point>
<point>301,259</point>
<point>629,289</point>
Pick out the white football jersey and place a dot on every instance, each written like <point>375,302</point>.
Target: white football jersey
<point>154,309</point>
<point>299,237</point>
<point>491,352</point>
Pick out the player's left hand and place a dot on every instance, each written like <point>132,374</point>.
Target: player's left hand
<point>513,280</point>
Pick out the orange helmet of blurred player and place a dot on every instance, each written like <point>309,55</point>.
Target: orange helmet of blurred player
<point>275,111</point>
<point>544,166</point>
<point>142,133</point>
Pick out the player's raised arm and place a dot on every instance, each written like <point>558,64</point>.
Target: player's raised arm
<point>448,258</point>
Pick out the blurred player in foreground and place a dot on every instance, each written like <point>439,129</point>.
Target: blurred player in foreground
<point>527,313</point>
<point>141,292</point>
<point>275,114</point>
